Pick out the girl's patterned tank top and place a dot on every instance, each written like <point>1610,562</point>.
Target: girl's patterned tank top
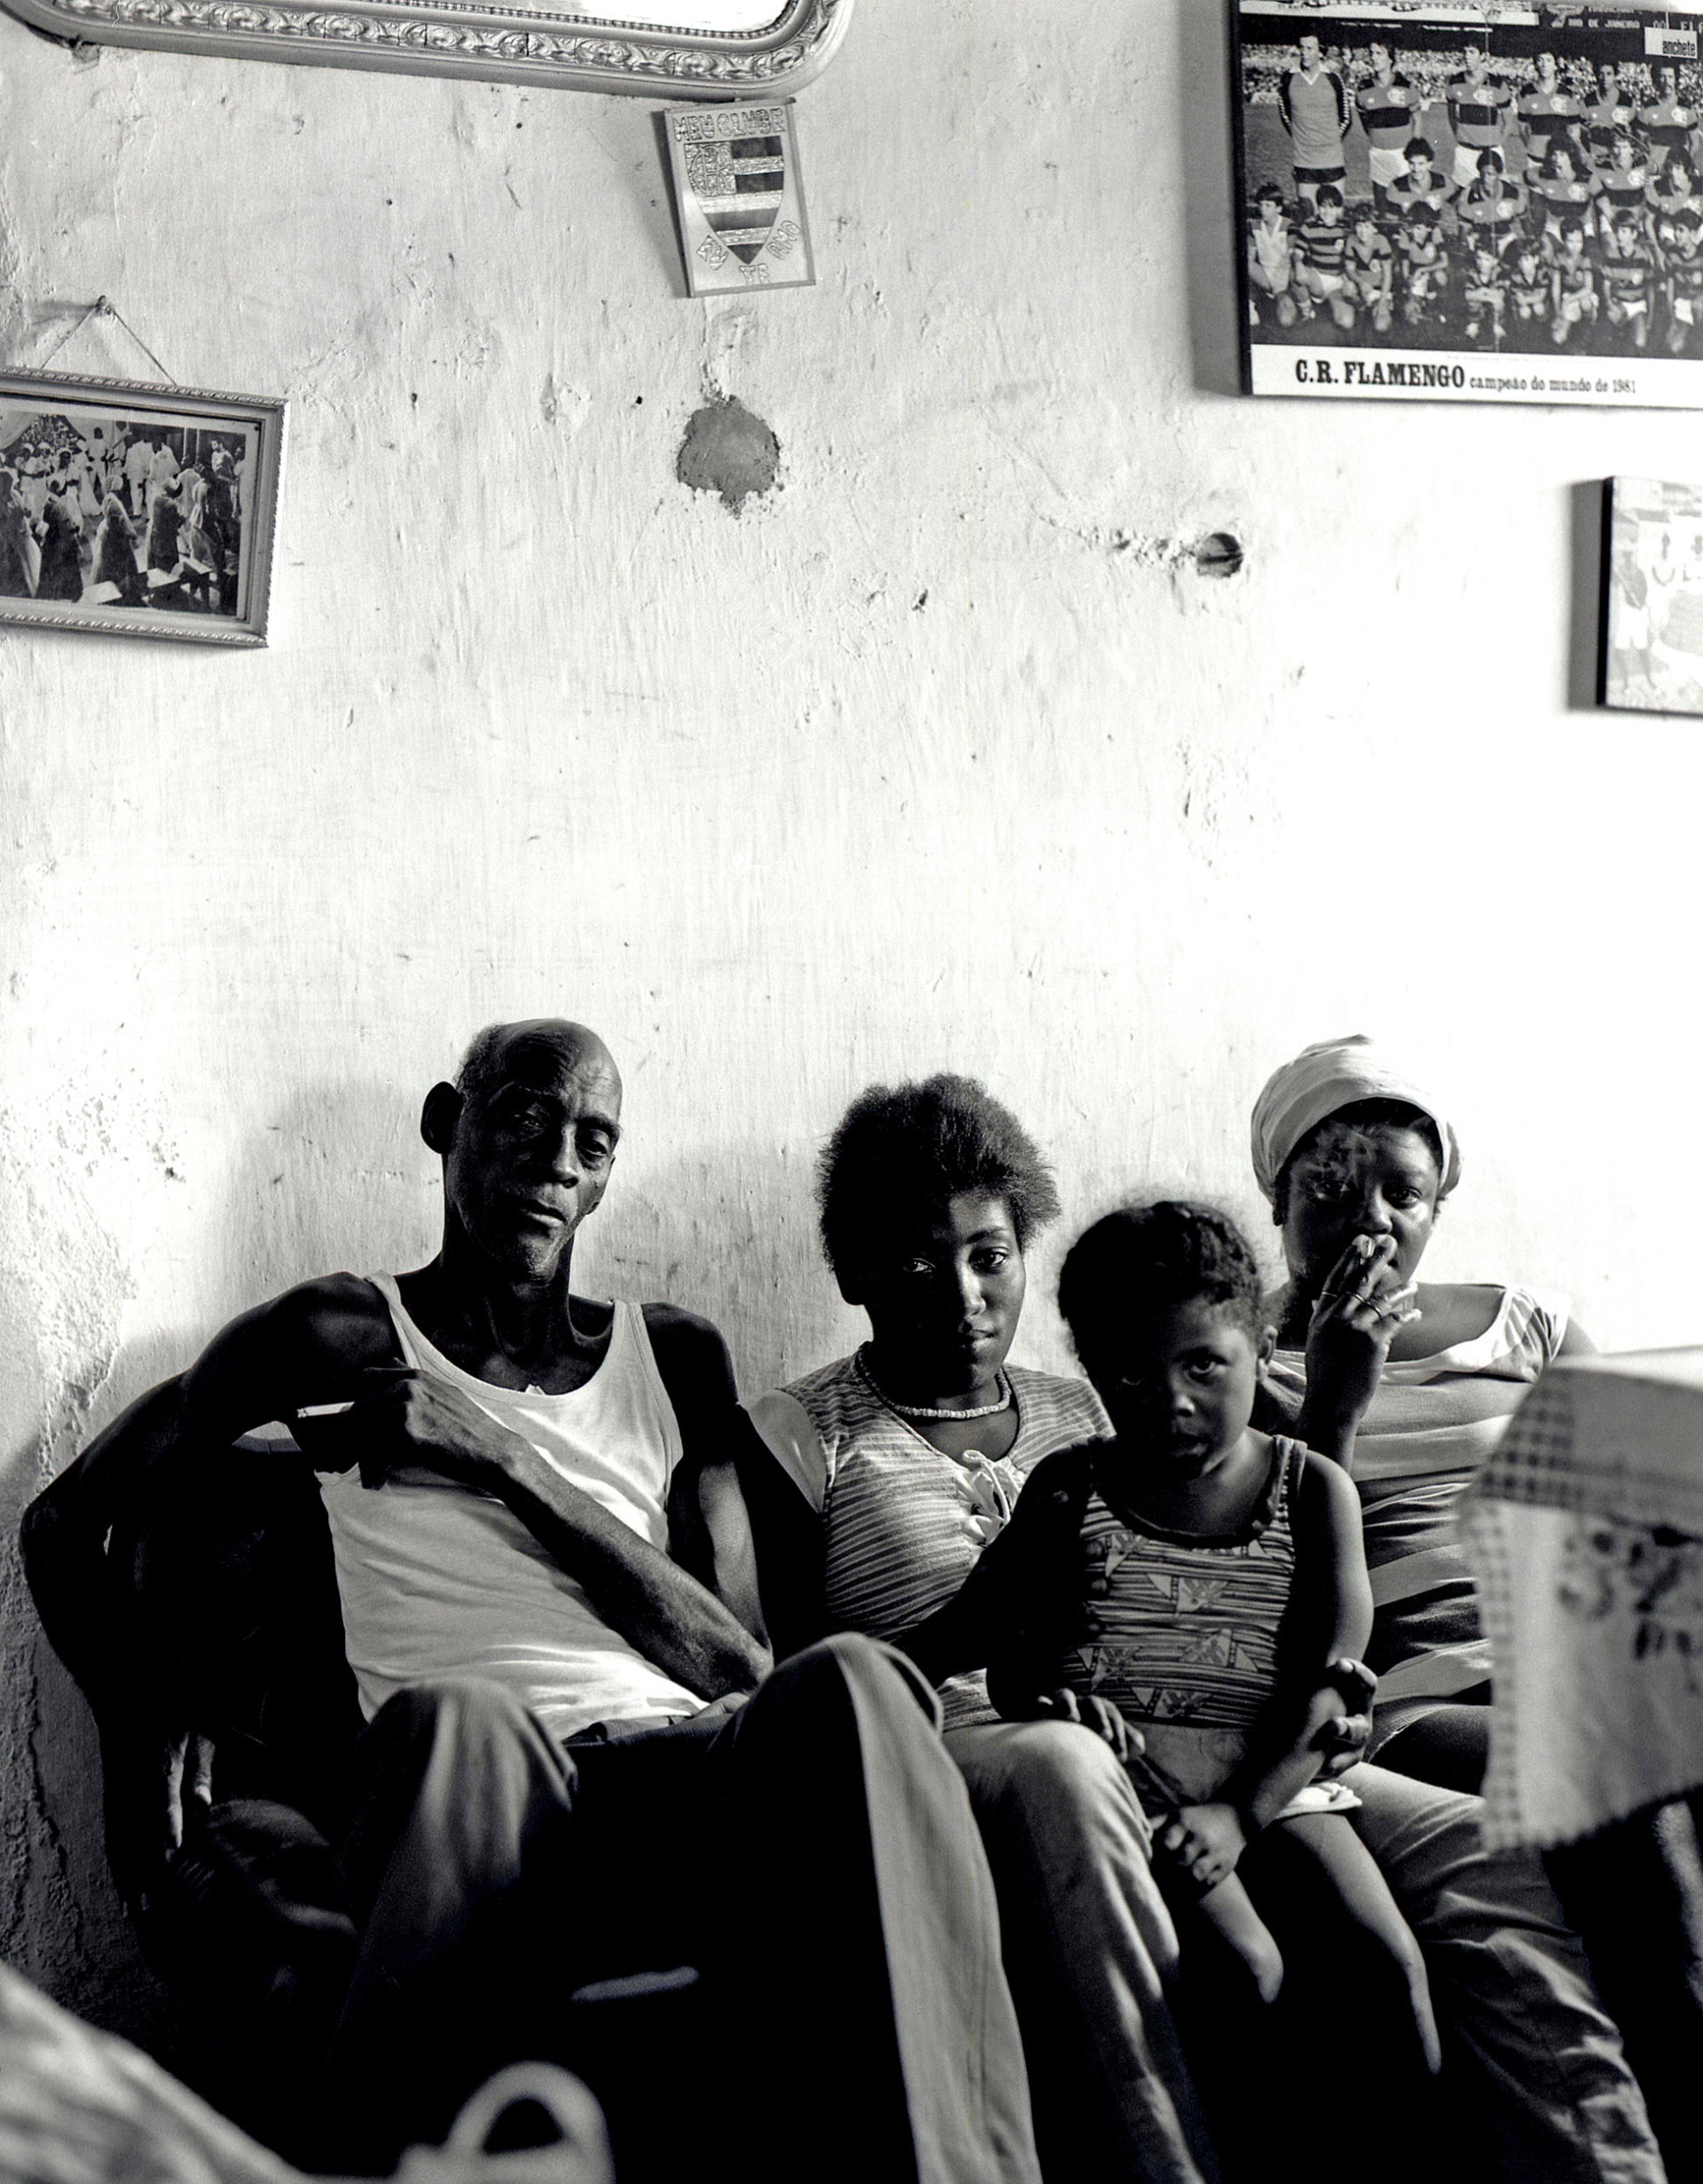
<point>1178,1630</point>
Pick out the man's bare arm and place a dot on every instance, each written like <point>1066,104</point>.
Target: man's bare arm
<point>710,1535</point>
<point>65,1530</point>
<point>411,1420</point>
<point>313,1346</point>
<point>333,1342</point>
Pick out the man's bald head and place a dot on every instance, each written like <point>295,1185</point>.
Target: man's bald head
<point>526,1133</point>
<point>495,1054</point>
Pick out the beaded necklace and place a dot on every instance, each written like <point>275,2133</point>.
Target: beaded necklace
<point>925,1411</point>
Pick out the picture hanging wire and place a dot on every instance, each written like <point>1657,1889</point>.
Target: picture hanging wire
<point>104,307</point>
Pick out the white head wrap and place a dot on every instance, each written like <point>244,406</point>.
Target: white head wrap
<point>1321,1079</point>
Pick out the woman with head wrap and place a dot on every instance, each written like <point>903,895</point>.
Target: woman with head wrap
<point>1352,1153</point>
<point>1353,1156</point>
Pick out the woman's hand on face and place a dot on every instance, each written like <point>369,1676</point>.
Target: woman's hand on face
<point>1358,1313</point>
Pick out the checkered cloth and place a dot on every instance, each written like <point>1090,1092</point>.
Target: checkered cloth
<point>1586,1530</point>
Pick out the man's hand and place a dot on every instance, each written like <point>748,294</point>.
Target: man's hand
<point>410,1423</point>
<point>185,1758</point>
<point>720,1709</point>
<point>1206,1841</point>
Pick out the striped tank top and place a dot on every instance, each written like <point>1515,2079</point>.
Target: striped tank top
<point>1181,1632</point>
<point>902,1522</point>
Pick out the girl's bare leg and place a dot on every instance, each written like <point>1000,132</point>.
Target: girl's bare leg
<point>1346,1864</point>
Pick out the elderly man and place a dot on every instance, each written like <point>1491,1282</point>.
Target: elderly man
<point>578,1763</point>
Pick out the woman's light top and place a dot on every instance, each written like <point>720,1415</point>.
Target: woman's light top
<point>1445,1413</point>
<point>902,1522</point>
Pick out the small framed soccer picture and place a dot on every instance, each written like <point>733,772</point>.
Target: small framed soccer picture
<point>1651,657</point>
<point>136,510</point>
<point>1457,203</point>
<point>738,197</point>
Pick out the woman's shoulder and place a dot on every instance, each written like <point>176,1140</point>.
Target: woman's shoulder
<point>1479,1323</point>
<point>824,1382</point>
<point>835,1401</point>
<point>805,1423</point>
<point>1055,1410</point>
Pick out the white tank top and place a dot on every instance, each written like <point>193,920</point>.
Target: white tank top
<point>438,1580</point>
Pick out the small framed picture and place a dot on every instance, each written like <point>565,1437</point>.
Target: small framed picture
<point>1461,201</point>
<point>740,198</point>
<point>136,510</point>
<point>1651,659</point>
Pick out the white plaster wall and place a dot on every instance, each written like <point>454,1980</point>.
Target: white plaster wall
<point>936,757</point>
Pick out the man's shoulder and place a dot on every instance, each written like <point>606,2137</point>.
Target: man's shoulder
<point>689,1329</point>
<point>331,1300</point>
<point>335,1316</point>
<point>691,1355</point>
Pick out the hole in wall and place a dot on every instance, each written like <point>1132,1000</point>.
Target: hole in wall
<point>1218,555</point>
<point>727,451</point>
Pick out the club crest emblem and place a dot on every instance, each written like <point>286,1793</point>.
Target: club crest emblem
<point>742,213</point>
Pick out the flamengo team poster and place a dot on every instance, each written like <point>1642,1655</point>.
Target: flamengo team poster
<point>1480,204</point>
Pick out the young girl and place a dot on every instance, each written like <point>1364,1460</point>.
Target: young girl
<point>1203,1580</point>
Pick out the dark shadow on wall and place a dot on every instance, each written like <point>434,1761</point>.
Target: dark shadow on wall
<point>729,1231</point>
<point>334,1183</point>
<point>70,1935</point>
<point>1585,614</point>
<point>1204,79</point>
<point>339,1181</point>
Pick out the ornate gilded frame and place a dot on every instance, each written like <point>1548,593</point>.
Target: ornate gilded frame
<point>514,44</point>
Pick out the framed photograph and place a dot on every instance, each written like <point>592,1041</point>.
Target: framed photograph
<point>677,49</point>
<point>1653,596</point>
<point>136,510</point>
<point>738,197</point>
<point>1457,203</point>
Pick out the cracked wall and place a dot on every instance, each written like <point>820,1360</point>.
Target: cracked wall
<point>944,754</point>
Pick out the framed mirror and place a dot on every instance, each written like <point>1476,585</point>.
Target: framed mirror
<point>658,48</point>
